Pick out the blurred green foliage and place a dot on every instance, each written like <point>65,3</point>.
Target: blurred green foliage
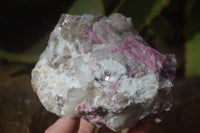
<point>193,56</point>
<point>29,56</point>
<point>154,19</point>
<point>142,11</point>
<point>192,45</point>
<point>87,6</point>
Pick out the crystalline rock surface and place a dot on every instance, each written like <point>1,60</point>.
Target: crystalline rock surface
<point>98,68</point>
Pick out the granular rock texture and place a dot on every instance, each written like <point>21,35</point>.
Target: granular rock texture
<point>99,68</point>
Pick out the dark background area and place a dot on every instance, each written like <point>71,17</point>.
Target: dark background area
<point>26,25</point>
<point>24,22</point>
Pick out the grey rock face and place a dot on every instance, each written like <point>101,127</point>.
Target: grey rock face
<point>99,68</point>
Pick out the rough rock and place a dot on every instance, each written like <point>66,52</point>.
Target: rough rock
<point>99,69</point>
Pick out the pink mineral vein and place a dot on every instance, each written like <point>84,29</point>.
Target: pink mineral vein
<point>91,34</point>
<point>86,112</point>
<point>114,49</point>
<point>97,119</point>
<point>83,107</point>
<point>144,54</point>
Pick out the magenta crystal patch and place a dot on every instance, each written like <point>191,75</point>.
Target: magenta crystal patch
<point>86,112</point>
<point>83,107</point>
<point>144,54</point>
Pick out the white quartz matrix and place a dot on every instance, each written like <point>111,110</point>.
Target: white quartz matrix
<point>98,68</point>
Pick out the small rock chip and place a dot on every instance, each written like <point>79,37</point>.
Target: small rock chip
<point>99,69</point>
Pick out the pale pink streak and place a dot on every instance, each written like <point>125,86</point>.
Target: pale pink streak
<point>93,66</point>
<point>91,34</point>
<point>81,48</point>
<point>158,120</point>
<point>113,85</point>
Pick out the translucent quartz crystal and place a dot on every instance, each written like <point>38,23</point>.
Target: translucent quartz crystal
<point>99,68</point>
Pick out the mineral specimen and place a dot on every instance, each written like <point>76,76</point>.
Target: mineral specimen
<point>99,69</point>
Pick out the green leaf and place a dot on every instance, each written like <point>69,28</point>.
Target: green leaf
<point>26,58</point>
<point>16,67</point>
<point>87,6</point>
<point>192,51</point>
<point>141,11</point>
<point>193,56</point>
<point>30,56</point>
